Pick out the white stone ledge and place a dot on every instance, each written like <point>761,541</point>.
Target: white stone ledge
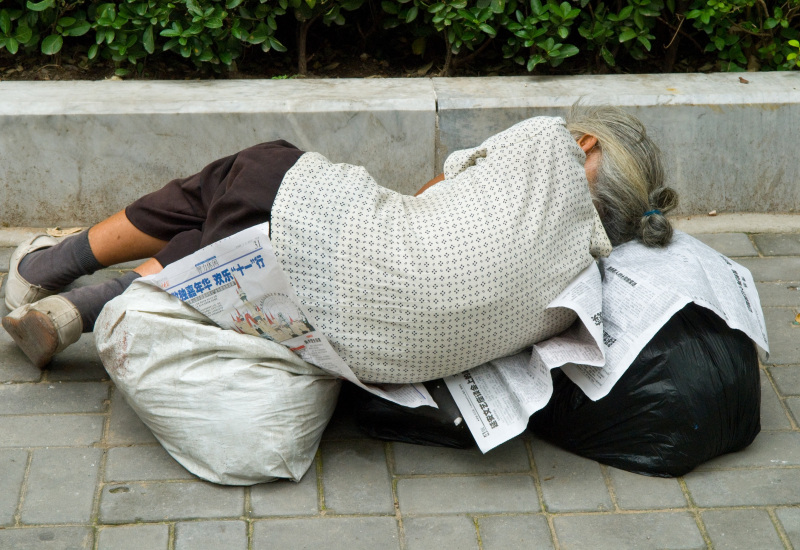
<point>74,152</point>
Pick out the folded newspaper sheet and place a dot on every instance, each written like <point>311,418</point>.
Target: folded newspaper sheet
<point>238,283</point>
<point>621,304</point>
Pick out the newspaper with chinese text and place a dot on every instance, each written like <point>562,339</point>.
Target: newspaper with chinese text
<point>621,304</point>
<point>238,283</point>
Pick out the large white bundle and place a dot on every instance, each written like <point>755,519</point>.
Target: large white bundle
<point>409,289</point>
<point>231,408</point>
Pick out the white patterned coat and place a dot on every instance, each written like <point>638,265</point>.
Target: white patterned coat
<point>410,289</point>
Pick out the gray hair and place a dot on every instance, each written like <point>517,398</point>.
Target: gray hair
<point>629,190</point>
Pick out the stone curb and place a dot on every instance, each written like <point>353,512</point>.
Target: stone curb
<point>74,152</point>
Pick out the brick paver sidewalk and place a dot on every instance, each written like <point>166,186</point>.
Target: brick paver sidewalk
<point>79,470</point>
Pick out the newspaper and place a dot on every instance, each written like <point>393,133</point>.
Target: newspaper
<point>621,303</point>
<point>238,283</point>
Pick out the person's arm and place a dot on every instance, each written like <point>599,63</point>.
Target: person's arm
<point>431,183</point>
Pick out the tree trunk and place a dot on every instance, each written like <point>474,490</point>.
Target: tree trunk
<point>302,40</point>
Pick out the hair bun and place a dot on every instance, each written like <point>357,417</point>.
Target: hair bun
<point>656,229</point>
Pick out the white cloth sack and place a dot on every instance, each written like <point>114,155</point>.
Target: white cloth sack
<point>231,408</point>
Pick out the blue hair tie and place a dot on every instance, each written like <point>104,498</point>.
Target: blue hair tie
<point>651,212</point>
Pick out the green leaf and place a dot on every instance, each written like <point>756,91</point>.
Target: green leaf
<point>794,43</point>
<point>644,42</point>
<point>12,45</point>
<point>5,22</point>
<point>626,12</point>
<point>569,50</point>
<point>40,6</point>
<point>638,19</point>
<point>418,45</point>
<point>771,23</point>
<point>148,41</point>
<point>66,21</point>
<point>23,34</point>
<point>487,29</point>
<point>52,44</point>
<point>389,7</point>
<point>93,51</point>
<point>412,14</point>
<point>122,72</point>
<point>607,56</point>
<point>563,32</point>
<point>81,28</point>
<point>276,45</point>
<point>627,34</point>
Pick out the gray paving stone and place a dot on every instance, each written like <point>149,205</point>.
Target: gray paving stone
<point>12,466</point>
<point>125,428</point>
<point>779,294</point>
<point>790,520</point>
<point>787,378</point>
<point>418,459</point>
<point>459,495</point>
<point>61,486</point>
<point>637,492</point>
<point>768,449</point>
<point>143,464</point>
<point>47,538</point>
<point>41,430</point>
<point>630,531</point>
<point>355,477</point>
<point>285,497</point>
<point>784,337</point>
<point>773,415</point>
<point>741,530</point>
<point>515,533</point>
<point>794,406</point>
<point>328,533</point>
<point>778,244</point>
<point>730,244</point>
<point>436,533</point>
<point>161,501</point>
<point>5,258</point>
<point>14,366</point>
<point>53,397</point>
<point>134,537</point>
<point>80,361</point>
<point>211,535</point>
<point>570,482</point>
<point>772,269</point>
<point>763,487</point>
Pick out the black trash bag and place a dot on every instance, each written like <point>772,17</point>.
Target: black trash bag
<point>692,394</point>
<point>442,427</point>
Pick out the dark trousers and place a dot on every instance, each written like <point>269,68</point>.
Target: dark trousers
<point>227,196</point>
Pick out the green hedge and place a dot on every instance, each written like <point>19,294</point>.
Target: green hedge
<point>740,34</point>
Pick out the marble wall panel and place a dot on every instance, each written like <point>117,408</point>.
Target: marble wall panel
<point>724,140</point>
<point>100,152</point>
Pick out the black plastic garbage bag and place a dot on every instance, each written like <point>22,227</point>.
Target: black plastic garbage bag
<point>442,427</point>
<point>692,394</point>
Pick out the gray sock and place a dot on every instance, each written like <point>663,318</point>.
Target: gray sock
<point>90,299</point>
<point>55,267</point>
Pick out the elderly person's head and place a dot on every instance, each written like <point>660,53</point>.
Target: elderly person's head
<point>625,174</point>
